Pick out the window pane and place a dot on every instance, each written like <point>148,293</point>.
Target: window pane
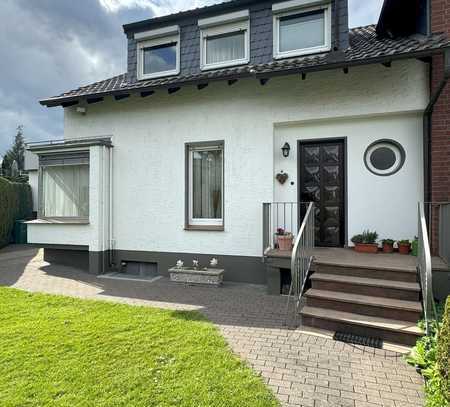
<point>160,59</point>
<point>228,47</point>
<point>207,184</point>
<point>66,191</point>
<point>302,31</point>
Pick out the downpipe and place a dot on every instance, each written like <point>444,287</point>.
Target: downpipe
<point>427,115</point>
<point>111,241</point>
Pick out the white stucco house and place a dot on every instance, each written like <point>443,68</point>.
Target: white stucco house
<point>174,158</point>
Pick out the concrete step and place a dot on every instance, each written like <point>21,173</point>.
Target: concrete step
<point>365,305</point>
<point>379,272</point>
<point>390,330</point>
<point>366,286</point>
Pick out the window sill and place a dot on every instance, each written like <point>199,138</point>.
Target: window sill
<point>156,75</point>
<point>58,222</point>
<point>205,228</point>
<point>227,64</point>
<point>301,52</point>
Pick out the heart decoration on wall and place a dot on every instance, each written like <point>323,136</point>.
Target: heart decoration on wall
<point>282,177</point>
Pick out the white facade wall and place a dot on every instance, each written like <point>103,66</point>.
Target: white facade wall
<point>149,137</point>
<point>385,204</point>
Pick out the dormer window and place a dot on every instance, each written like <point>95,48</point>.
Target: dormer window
<point>301,28</point>
<point>224,40</point>
<point>158,53</point>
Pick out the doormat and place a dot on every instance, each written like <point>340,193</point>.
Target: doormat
<point>358,339</point>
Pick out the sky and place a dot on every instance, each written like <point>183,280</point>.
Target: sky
<point>51,46</point>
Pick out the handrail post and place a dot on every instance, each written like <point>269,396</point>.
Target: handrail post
<point>425,269</point>
<point>302,257</point>
<point>266,243</point>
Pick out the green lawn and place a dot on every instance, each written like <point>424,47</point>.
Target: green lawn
<point>60,351</point>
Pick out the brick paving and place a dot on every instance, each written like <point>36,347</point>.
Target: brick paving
<point>301,368</point>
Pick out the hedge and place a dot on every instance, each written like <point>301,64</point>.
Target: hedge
<point>15,203</point>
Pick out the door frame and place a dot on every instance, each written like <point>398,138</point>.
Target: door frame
<point>325,140</point>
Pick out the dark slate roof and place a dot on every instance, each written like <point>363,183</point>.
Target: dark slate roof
<point>365,48</point>
<point>212,8</point>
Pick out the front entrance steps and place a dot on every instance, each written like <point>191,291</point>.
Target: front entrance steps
<point>377,301</point>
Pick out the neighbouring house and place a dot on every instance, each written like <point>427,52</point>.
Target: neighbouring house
<point>229,106</point>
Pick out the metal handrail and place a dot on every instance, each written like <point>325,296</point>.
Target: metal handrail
<point>302,258</point>
<point>424,269</point>
<point>284,215</point>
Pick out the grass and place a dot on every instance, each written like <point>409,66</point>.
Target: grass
<point>61,351</point>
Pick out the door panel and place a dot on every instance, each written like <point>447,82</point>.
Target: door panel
<point>322,180</point>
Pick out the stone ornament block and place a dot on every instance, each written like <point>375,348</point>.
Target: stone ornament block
<point>190,276</point>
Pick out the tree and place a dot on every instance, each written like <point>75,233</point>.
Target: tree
<point>16,152</point>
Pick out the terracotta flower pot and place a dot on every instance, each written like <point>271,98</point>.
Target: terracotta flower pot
<point>388,248</point>
<point>366,248</point>
<point>404,248</point>
<point>285,242</point>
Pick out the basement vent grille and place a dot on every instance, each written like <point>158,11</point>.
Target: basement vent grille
<point>358,339</point>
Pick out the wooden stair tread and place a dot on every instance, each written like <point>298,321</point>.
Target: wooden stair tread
<point>366,266</point>
<point>374,282</point>
<point>362,320</point>
<point>384,302</point>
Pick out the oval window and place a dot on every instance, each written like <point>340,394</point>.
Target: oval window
<point>384,157</point>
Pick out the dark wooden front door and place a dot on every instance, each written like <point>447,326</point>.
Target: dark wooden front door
<point>322,180</point>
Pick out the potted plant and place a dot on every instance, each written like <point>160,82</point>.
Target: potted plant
<point>366,242</point>
<point>388,245</point>
<point>415,246</point>
<point>404,246</point>
<point>284,240</point>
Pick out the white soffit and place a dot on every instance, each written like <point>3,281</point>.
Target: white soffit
<point>223,18</point>
<point>294,4</point>
<point>160,32</point>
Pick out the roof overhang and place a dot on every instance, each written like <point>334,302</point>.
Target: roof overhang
<point>42,147</point>
<point>331,63</point>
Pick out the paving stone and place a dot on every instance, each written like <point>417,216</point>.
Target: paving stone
<point>301,369</point>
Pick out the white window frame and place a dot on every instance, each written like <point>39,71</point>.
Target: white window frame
<point>222,25</point>
<point>41,195</point>
<point>153,39</point>
<point>203,221</point>
<point>278,14</point>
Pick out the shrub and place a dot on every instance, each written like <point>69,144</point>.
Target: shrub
<point>431,357</point>
<point>443,353</point>
<point>15,203</point>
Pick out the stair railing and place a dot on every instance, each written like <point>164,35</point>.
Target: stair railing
<point>424,269</point>
<point>302,258</point>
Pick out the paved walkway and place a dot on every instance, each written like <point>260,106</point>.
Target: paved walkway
<point>301,368</point>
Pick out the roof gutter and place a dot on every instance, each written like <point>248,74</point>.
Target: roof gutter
<point>427,125</point>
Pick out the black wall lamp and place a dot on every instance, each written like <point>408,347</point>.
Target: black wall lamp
<point>286,148</point>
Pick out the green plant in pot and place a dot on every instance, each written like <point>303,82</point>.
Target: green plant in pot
<point>404,246</point>
<point>366,242</point>
<point>388,245</point>
<point>415,246</point>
